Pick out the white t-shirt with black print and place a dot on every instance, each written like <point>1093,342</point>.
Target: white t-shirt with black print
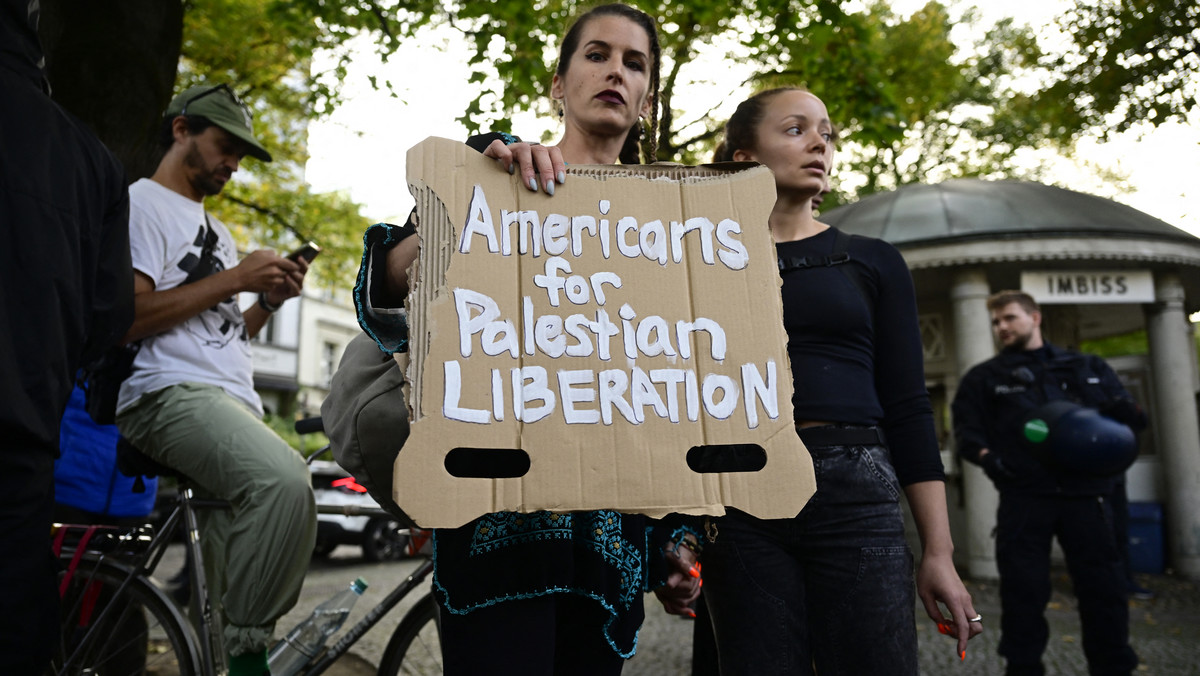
<point>173,243</point>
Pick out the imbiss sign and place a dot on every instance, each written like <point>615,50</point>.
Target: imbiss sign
<point>1089,286</point>
<point>578,351</point>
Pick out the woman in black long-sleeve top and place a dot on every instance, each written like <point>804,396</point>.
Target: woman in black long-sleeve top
<point>832,587</point>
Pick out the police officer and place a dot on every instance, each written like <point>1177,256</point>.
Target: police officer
<point>1045,491</point>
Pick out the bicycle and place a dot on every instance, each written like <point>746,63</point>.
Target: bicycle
<point>116,620</point>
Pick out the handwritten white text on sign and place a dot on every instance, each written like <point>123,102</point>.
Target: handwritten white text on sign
<point>590,396</point>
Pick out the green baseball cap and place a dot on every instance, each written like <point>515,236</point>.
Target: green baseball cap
<point>219,104</point>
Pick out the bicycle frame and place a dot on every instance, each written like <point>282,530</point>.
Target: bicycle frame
<point>331,655</point>
<point>203,634</point>
<point>322,660</point>
<point>212,645</point>
<point>143,563</point>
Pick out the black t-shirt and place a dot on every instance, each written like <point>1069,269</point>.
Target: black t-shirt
<point>855,364</point>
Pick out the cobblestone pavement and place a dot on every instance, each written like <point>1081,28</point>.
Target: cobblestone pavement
<point>1165,631</point>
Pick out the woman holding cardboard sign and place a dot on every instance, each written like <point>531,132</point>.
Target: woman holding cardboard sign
<point>832,588</point>
<point>548,593</point>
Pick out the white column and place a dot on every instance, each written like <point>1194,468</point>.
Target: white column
<point>973,344</point>
<point>1177,424</point>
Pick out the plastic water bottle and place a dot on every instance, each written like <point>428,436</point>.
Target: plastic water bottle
<point>307,638</point>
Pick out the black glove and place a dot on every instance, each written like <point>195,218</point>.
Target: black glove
<point>995,468</point>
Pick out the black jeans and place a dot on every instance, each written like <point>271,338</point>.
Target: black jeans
<point>1025,526</point>
<point>831,588</point>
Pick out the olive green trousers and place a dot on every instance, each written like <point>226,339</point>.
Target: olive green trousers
<point>257,552</point>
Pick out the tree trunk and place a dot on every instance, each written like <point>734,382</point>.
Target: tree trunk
<point>112,63</point>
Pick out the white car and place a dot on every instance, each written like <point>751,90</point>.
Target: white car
<point>379,536</point>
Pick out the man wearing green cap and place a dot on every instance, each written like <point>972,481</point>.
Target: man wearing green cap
<point>189,402</point>
<point>1040,498</point>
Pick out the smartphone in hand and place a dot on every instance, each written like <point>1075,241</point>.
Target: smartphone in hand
<point>308,252</point>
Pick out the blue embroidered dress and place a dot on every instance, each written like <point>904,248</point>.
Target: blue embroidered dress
<point>507,556</point>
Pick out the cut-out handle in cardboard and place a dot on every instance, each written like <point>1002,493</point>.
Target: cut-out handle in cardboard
<point>487,463</point>
<point>718,458</point>
<point>605,332</point>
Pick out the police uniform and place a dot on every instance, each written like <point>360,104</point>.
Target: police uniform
<point>1039,501</point>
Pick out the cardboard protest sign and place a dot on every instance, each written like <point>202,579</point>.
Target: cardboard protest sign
<point>579,351</point>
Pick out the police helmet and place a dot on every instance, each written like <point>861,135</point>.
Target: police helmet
<point>1078,440</point>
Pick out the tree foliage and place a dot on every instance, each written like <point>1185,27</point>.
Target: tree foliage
<point>1134,342</point>
<point>913,105</point>
<point>117,64</point>
<point>787,41</point>
<point>265,49</point>
<point>1131,61</point>
<point>955,112</point>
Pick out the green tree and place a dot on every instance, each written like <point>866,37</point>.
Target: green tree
<point>899,87</point>
<point>1130,61</point>
<point>954,108</point>
<point>787,41</point>
<point>912,104</point>
<point>117,63</point>
<point>265,49</point>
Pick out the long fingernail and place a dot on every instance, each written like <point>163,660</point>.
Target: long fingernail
<point>550,188</point>
<point>512,167</point>
<point>562,177</point>
<point>694,572</point>
<point>701,583</point>
<point>533,184</point>
<point>690,613</point>
<point>963,657</point>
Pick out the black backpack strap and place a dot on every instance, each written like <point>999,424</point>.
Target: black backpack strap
<point>841,246</point>
<point>838,256</point>
<point>101,381</point>
<point>840,253</point>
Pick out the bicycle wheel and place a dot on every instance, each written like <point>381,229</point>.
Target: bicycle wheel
<point>416,646</point>
<point>138,631</point>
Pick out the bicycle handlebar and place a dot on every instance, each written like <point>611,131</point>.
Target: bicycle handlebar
<point>309,425</point>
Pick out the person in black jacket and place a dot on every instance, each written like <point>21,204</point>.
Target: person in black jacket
<point>1040,498</point>
<point>66,293</point>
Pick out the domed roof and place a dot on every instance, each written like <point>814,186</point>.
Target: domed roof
<point>967,209</point>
